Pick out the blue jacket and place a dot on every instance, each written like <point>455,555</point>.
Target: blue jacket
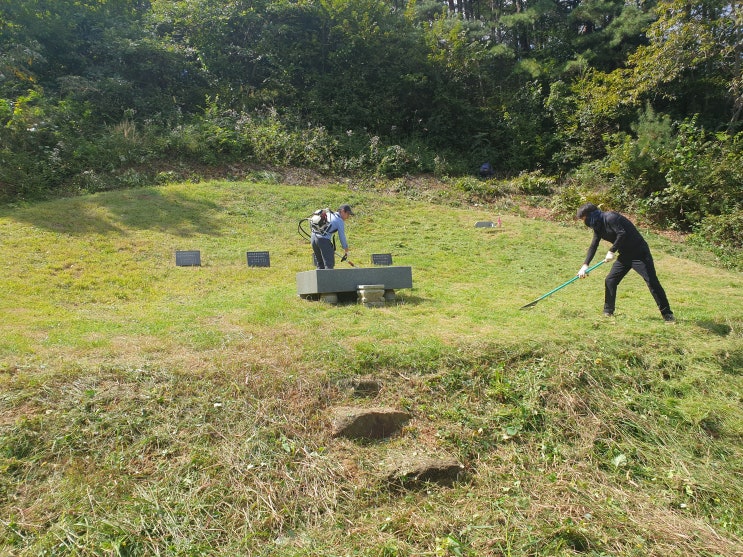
<point>337,224</point>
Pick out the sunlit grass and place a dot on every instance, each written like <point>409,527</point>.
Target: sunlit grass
<point>152,409</point>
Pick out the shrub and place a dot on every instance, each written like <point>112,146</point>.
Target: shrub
<point>725,231</point>
<point>703,179</point>
<point>723,235</point>
<point>576,191</point>
<point>481,190</point>
<point>674,175</point>
<point>397,161</point>
<point>534,183</point>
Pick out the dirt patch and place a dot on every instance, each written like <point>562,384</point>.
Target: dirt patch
<point>541,213</point>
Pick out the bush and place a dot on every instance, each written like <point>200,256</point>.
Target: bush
<point>481,190</point>
<point>635,165</point>
<point>674,175</point>
<point>723,234</point>
<point>703,178</point>
<point>577,191</point>
<point>397,161</point>
<point>725,231</point>
<point>534,183</point>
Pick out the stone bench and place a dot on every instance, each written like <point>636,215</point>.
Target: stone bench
<point>327,283</point>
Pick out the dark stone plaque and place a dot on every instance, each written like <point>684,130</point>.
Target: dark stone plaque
<point>259,259</point>
<point>191,258</point>
<point>381,259</point>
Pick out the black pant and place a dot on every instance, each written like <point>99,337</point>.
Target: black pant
<point>641,262</point>
<point>324,252</point>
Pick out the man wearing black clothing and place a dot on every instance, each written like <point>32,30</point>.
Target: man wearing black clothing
<point>634,253</point>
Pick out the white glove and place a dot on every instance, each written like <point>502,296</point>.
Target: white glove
<point>582,272</point>
<point>609,256</point>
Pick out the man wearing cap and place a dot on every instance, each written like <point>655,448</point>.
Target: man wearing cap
<point>628,250</point>
<point>322,244</point>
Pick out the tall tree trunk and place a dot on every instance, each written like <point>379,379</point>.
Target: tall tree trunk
<point>736,85</point>
<point>522,31</point>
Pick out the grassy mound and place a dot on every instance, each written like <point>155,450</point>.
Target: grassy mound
<point>149,409</point>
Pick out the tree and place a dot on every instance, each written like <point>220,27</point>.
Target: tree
<point>96,52</point>
<point>692,62</point>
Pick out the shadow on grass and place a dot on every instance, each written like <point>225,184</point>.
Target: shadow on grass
<point>719,329</point>
<point>144,209</point>
<point>351,299</point>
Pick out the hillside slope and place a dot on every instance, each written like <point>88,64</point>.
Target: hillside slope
<point>149,409</point>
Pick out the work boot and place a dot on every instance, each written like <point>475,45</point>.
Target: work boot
<point>669,318</point>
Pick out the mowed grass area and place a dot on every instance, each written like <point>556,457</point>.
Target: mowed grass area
<point>149,409</point>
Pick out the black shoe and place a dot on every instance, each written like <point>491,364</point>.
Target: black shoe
<point>669,318</point>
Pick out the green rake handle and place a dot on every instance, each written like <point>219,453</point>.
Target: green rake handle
<point>572,280</point>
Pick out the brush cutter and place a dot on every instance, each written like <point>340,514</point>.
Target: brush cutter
<point>534,303</point>
<point>347,260</point>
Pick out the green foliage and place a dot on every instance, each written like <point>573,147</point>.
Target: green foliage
<point>676,175</point>
<point>585,112</point>
<point>636,165</point>
<point>585,186</point>
<point>687,40</point>
<point>534,183</point>
<point>490,190</point>
<point>725,230</point>
<point>274,143</point>
<point>611,30</point>
<point>703,178</point>
<point>222,134</point>
<point>56,148</point>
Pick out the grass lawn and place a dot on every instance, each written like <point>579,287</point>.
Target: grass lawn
<point>150,409</point>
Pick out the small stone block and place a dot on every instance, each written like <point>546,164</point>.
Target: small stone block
<point>381,259</point>
<point>329,298</point>
<point>417,471</point>
<point>484,224</point>
<point>259,259</point>
<point>190,258</point>
<point>372,295</point>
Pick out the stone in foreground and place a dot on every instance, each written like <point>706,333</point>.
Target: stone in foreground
<point>411,471</point>
<point>367,423</point>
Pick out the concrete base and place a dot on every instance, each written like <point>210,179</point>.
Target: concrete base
<point>371,295</point>
<point>311,284</point>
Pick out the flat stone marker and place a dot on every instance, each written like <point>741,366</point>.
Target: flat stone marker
<point>259,259</point>
<point>188,258</point>
<point>484,224</point>
<point>381,259</point>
